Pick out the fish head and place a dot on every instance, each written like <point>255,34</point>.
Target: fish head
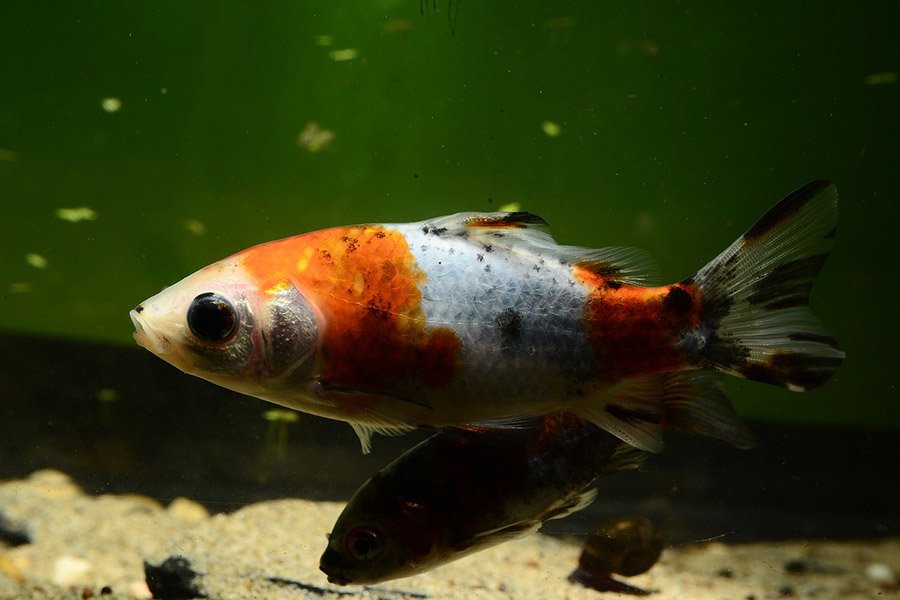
<point>382,534</point>
<point>221,325</point>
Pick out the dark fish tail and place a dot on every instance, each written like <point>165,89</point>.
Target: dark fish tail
<point>756,322</point>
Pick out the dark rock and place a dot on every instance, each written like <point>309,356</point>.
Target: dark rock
<point>173,579</point>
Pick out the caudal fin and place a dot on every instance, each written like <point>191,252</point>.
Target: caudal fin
<point>756,320</point>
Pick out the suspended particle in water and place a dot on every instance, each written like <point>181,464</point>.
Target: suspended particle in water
<point>314,137</point>
<point>111,104</point>
<point>75,215</point>
<point>20,287</point>
<point>551,129</point>
<point>36,260</point>
<point>7,155</point>
<point>194,226</point>
<point>510,207</point>
<point>277,433</point>
<point>324,40</point>
<point>343,55</point>
<point>107,395</point>
<point>880,78</point>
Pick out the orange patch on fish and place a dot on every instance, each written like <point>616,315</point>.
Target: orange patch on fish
<point>365,282</point>
<point>634,330</point>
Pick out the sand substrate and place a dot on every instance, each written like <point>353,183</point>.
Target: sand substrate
<point>57,542</point>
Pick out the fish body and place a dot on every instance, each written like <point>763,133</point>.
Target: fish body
<point>482,319</point>
<point>456,494</point>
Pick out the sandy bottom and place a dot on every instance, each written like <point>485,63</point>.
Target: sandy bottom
<point>57,542</point>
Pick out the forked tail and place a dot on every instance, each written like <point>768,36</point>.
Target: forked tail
<point>756,319</point>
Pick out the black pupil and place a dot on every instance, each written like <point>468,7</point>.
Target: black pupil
<point>211,317</point>
<point>364,543</point>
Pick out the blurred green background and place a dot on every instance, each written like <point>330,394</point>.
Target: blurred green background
<point>185,131</point>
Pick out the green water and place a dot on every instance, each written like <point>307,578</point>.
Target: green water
<point>665,125</point>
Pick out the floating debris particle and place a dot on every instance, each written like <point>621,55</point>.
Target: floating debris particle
<point>20,287</point>
<point>314,137</point>
<point>343,55</point>
<point>510,207</point>
<point>277,432</point>
<point>324,40</point>
<point>551,129</point>
<point>194,226</point>
<point>74,215</point>
<point>36,260</point>
<point>7,155</point>
<point>107,395</point>
<point>881,78</point>
<point>281,415</point>
<point>398,26</point>
<point>111,104</point>
<point>559,23</point>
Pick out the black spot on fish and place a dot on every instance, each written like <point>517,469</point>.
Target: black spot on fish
<point>432,230</point>
<point>524,217</point>
<point>509,322</point>
<point>380,234</point>
<point>613,284</point>
<point>786,208</point>
<point>802,336</point>
<point>789,284</point>
<point>479,257</point>
<point>631,415</point>
<point>487,268</point>
<point>488,248</point>
<point>678,301</point>
<point>793,369</point>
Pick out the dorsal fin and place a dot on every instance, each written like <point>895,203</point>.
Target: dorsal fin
<point>527,232</point>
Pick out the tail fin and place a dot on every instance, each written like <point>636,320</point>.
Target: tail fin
<point>756,320</point>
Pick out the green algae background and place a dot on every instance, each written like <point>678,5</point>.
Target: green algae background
<point>182,132</point>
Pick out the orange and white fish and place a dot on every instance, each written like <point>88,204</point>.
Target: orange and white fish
<point>483,320</point>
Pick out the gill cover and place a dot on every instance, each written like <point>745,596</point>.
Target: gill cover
<point>228,331</point>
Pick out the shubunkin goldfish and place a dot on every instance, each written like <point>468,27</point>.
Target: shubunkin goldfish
<point>483,320</point>
<point>456,494</point>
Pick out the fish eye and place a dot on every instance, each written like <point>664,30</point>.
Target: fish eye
<point>364,543</point>
<point>212,318</point>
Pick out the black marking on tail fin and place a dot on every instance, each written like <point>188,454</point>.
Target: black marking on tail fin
<point>755,295</point>
<point>786,208</point>
<point>794,370</point>
<point>788,284</point>
<point>802,336</point>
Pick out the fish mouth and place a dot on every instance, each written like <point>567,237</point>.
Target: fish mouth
<point>145,336</point>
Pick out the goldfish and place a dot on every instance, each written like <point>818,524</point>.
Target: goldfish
<point>455,494</point>
<point>482,320</point>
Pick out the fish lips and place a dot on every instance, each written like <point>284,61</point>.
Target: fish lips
<point>146,337</point>
<point>328,564</point>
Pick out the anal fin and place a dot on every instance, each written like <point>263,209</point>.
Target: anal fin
<point>637,410</point>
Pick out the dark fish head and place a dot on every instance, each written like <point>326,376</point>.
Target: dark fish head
<point>383,533</point>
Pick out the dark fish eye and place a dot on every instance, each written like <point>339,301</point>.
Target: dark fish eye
<point>212,318</point>
<point>364,543</point>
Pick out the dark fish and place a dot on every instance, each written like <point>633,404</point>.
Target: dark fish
<point>455,494</point>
